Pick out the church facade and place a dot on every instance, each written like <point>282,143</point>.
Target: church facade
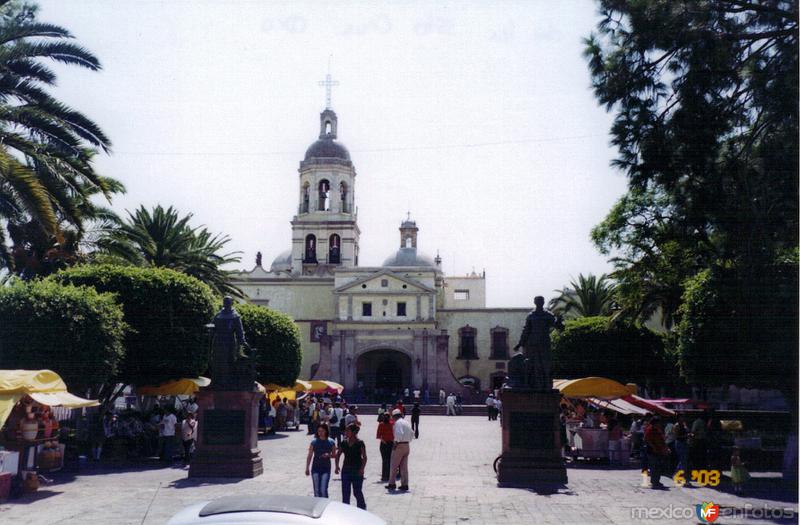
<point>377,330</point>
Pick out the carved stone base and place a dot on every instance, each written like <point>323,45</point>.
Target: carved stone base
<point>227,440</point>
<point>531,439</point>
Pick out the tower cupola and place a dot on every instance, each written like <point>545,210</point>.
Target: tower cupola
<point>327,124</point>
<point>408,233</point>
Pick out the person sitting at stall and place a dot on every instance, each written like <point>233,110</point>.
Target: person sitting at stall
<point>580,410</point>
<point>614,440</point>
<point>588,421</point>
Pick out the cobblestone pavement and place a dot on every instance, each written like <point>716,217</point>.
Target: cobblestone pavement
<point>452,482</point>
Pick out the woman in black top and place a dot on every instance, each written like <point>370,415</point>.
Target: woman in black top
<point>355,460</point>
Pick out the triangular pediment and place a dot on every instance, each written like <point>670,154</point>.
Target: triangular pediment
<point>255,273</point>
<point>373,281</point>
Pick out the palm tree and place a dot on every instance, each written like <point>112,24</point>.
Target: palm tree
<point>37,252</point>
<point>162,238</point>
<point>589,296</point>
<point>46,148</point>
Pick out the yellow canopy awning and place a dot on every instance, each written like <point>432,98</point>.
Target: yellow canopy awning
<point>185,386</point>
<point>326,386</point>
<point>599,387</point>
<point>44,386</point>
<point>62,399</point>
<point>27,381</point>
<point>299,386</point>
<point>280,394</point>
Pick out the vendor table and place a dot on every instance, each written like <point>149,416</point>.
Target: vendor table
<point>591,443</point>
<point>9,461</point>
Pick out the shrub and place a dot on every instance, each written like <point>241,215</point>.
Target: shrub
<point>76,332</point>
<point>592,346</point>
<point>166,311</point>
<point>276,339</point>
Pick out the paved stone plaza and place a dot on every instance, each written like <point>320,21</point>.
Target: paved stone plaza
<point>452,482</point>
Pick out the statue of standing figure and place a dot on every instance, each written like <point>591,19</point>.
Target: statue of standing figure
<point>231,367</point>
<point>532,368</point>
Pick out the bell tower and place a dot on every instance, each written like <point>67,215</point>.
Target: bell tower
<point>325,232</point>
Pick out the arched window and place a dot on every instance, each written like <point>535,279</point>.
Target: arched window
<point>343,196</point>
<point>327,127</point>
<point>306,198</point>
<point>311,249</point>
<point>409,243</point>
<point>324,195</point>
<point>334,249</point>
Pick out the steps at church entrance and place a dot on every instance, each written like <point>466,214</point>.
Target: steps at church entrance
<point>427,410</point>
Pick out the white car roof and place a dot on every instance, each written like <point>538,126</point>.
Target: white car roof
<point>273,510</point>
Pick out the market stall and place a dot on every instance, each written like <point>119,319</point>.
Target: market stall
<point>593,441</point>
<point>28,431</point>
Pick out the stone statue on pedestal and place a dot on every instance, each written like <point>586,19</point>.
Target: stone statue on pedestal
<point>531,368</point>
<point>231,367</point>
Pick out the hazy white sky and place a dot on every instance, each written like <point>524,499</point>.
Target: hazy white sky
<point>475,116</point>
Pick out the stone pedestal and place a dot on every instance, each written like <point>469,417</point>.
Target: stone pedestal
<point>227,435</point>
<point>531,439</point>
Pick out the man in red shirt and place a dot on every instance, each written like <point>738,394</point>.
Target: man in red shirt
<point>657,451</point>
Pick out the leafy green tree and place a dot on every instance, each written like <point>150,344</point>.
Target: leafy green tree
<point>76,332</point>
<point>741,332</point>
<point>656,255</point>
<point>162,238</point>
<point>594,346</point>
<point>46,148</point>
<point>166,311</point>
<point>38,253</point>
<point>587,297</point>
<point>276,340</point>
<point>704,94</point>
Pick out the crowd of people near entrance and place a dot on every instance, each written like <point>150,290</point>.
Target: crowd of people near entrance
<point>336,425</point>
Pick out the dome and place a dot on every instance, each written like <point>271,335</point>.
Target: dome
<point>282,263</point>
<point>327,148</point>
<point>409,257</point>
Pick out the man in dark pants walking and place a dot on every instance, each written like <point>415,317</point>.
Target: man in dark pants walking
<point>491,413</point>
<point>415,412</point>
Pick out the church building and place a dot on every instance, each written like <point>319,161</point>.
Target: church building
<point>377,330</point>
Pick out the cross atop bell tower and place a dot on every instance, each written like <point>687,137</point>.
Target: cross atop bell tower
<point>328,84</point>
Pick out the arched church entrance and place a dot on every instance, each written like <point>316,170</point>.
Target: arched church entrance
<point>381,375</point>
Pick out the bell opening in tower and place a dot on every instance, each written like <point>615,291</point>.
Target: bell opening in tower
<point>334,250</point>
<point>311,249</point>
<point>324,195</point>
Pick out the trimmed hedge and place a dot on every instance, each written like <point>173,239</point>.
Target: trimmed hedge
<point>166,311</point>
<point>276,339</point>
<point>76,332</point>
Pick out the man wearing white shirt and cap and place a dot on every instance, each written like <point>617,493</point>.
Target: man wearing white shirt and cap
<point>400,450</point>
